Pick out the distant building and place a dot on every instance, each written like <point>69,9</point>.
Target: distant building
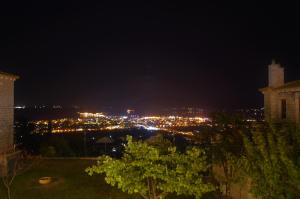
<point>6,117</point>
<point>281,100</point>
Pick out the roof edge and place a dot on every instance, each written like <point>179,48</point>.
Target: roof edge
<point>265,89</point>
<point>9,75</point>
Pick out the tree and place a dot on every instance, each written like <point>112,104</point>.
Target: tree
<point>160,142</point>
<point>272,161</point>
<point>144,169</point>
<point>17,165</point>
<point>228,172</point>
<point>225,149</point>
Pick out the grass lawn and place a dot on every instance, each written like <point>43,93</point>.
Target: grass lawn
<point>72,183</point>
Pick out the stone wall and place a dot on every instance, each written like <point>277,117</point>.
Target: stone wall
<point>271,105</point>
<point>6,111</point>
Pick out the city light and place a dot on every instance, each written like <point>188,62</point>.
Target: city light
<point>97,122</point>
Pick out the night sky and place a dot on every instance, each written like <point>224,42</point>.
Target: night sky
<point>146,56</point>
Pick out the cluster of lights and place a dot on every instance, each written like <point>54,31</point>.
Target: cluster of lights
<point>91,115</point>
<point>93,122</point>
<point>171,121</point>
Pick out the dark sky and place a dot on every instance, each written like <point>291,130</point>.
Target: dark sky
<point>146,55</point>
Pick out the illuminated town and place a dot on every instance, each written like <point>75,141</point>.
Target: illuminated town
<point>97,122</point>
